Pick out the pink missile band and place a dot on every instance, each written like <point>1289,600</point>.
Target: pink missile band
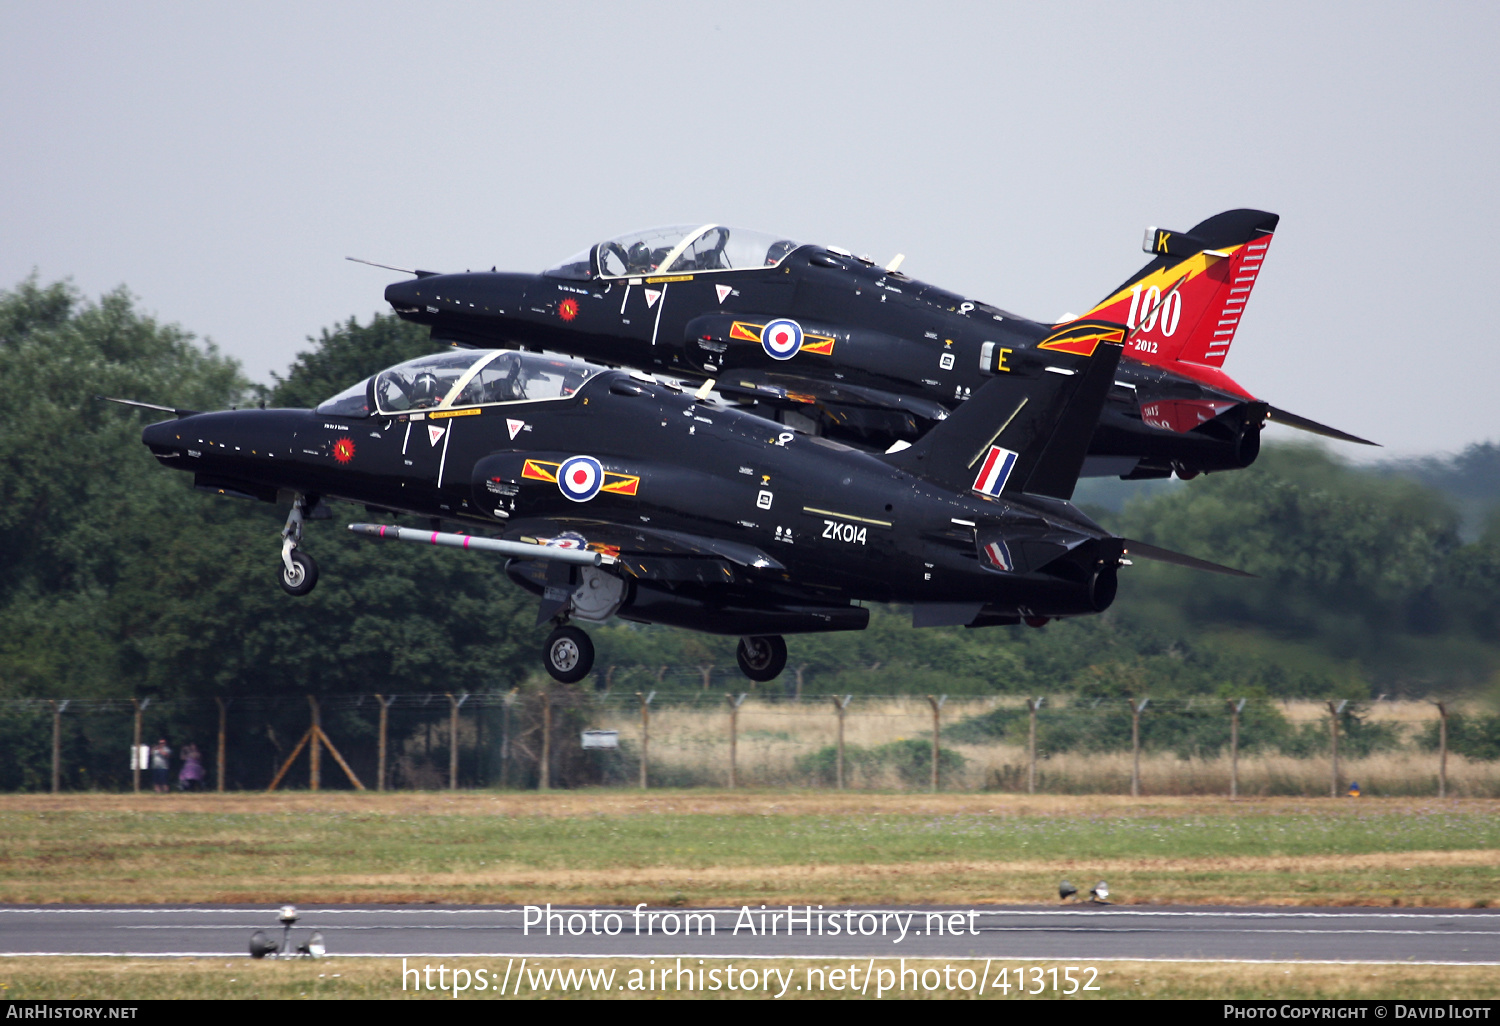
<point>434,537</point>
<point>466,541</point>
<point>382,530</point>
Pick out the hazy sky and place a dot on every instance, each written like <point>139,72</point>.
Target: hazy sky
<point>221,159</point>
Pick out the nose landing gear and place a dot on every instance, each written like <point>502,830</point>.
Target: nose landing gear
<point>298,574</point>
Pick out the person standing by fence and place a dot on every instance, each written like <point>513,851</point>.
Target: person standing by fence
<point>191,776</point>
<point>161,762</point>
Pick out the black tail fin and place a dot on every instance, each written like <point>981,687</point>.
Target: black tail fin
<point>1020,434</point>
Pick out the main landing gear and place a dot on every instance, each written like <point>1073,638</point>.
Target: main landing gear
<point>761,658</point>
<point>298,574</point>
<point>569,655</point>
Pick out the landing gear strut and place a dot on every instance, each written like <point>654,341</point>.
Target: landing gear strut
<point>761,658</point>
<point>298,574</point>
<point>568,654</point>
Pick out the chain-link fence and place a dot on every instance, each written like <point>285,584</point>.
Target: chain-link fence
<point>574,737</point>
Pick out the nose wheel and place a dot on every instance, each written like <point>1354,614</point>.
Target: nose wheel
<point>298,574</point>
<point>568,655</point>
<point>761,658</point>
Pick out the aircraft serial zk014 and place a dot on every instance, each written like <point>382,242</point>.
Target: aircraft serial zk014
<point>845,348</point>
<point>617,495</point>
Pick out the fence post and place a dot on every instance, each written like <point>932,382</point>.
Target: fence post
<point>544,780</point>
<point>1136,708</point>
<point>58,708</point>
<point>1334,712</point>
<point>840,706</point>
<point>135,752</point>
<point>1032,705</point>
<point>314,755</point>
<point>1235,708</point>
<point>734,732</point>
<point>380,749</point>
<point>505,706</point>
<point>937,706</point>
<point>645,732</point>
<point>219,757</point>
<point>453,706</point>
<point>1442,749</point>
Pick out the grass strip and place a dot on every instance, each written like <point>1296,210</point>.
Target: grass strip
<point>128,979</point>
<point>696,848</point>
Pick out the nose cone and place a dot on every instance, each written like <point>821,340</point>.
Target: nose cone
<point>402,295</point>
<point>161,438</point>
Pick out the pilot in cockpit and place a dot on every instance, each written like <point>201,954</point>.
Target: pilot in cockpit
<point>426,392</point>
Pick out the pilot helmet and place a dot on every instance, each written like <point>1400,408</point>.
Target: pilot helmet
<point>424,389</point>
<point>638,259</point>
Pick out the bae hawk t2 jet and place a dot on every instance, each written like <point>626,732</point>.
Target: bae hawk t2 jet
<point>613,494</point>
<point>837,345</point>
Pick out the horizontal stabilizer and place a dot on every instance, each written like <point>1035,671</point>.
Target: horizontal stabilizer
<point>1303,424</point>
<point>1135,548</point>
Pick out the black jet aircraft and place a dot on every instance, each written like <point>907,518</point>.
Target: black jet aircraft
<point>616,495</point>
<point>843,347</point>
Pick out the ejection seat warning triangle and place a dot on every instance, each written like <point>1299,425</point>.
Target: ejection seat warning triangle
<point>514,426</point>
<point>652,295</point>
<point>723,291</point>
<point>434,433</point>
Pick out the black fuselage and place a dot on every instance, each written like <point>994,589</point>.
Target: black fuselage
<point>887,356</point>
<point>838,525</point>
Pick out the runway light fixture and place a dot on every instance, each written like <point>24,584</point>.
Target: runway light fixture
<point>262,945</point>
<point>1066,890</point>
<point>1100,893</point>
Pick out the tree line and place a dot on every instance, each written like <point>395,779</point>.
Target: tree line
<point>119,580</point>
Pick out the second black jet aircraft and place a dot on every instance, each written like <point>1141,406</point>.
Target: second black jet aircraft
<point>843,347</point>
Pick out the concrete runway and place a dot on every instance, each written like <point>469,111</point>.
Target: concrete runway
<point>1076,933</point>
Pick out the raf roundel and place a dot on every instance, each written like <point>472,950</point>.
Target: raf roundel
<point>580,478</point>
<point>781,339</point>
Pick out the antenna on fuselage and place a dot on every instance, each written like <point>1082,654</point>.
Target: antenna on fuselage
<point>386,267</point>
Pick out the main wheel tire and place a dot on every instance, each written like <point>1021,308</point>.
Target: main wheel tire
<point>303,576</point>
<point>568,655</point>
<point>761,658</point>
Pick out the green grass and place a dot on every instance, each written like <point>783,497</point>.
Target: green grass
<point>609,847</point>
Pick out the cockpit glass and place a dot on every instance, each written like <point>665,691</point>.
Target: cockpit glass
<point>577,267</point>
<point>642,252</point>
<point>351,402</point>
<point>681,249</point>
<point>731,249</point>
<point>422,383</point>
<point>524,377</point>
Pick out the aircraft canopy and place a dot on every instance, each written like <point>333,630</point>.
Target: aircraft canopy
<point>468,377</point>
<point>676,249</point>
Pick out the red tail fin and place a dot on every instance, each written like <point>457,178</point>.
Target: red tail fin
<point>1185,306</point>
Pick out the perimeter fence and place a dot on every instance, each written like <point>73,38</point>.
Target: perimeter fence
<point>557,736</point>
